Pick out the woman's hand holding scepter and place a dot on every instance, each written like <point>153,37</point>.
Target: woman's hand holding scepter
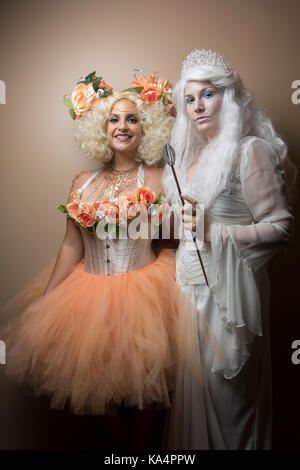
<point>169,157</point>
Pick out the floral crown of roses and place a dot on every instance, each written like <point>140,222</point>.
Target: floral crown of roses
<point>92,88</point>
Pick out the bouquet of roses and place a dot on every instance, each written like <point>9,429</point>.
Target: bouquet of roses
<point>115,212</point>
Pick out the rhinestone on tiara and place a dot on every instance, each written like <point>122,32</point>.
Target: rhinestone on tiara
<point>203,57</point>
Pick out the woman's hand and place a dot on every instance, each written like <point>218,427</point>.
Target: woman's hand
<point>192,217</point>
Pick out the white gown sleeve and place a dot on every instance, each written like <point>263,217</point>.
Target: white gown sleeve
<point>239,254</point>
<point>264,191</point>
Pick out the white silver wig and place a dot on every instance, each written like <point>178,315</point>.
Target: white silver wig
<point>239,117</point>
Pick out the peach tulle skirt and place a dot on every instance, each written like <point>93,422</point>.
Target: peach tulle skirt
<point>97,342</point>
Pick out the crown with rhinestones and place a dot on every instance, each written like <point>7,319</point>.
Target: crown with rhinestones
<point>203,57</point>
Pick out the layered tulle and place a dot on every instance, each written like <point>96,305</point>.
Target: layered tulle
<point>96,342</point>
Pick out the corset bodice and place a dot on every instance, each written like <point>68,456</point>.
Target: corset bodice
<point>230,208</point>
<point>112,255</point>
<point>115,256</point>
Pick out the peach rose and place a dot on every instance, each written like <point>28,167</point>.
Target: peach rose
<point>112,213</point>
<point>104,84</point>
<point>145,196</point>
<point>144,82</point>
<point>86,215</point>
<point>82,98</point>
<point>151,94</point>
<point>133,211</point>
<point>101,206</point>
<point>129,207</point>
<point>72,209</point>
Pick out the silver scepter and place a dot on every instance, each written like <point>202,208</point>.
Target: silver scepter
<point>169,157</point>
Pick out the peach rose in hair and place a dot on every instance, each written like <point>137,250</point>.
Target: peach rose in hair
<point>104,84</point>
<point>82,98</point>
<point>145,82</point>
<point>151,94</point>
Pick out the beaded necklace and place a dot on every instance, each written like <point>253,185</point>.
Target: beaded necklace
<point>118,179</point>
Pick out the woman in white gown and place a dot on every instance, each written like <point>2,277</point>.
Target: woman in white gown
<point>230,159</point>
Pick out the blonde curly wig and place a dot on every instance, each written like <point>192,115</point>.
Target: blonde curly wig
<point>91,137</point>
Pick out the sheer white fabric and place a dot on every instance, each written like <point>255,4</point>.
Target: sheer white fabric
<point>250,222</point>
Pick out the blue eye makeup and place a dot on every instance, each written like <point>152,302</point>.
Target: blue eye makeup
<point>206,94</point>
<point>209,94</point>
<point>189,99</point>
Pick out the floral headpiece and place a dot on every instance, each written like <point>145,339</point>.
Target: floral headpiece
<point>85,93</point>
<point>153,89</point>
<point>92,88</point>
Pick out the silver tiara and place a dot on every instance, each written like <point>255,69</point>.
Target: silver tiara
<point>203,57</point>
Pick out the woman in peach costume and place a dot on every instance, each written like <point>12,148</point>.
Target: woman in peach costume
<point>98,330</point>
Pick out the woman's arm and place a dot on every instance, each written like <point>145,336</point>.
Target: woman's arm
<point>70,253</point>
<point>264,190</point>
<point>71,250</point>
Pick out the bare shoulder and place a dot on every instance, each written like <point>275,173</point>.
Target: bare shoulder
<point>80,178</point>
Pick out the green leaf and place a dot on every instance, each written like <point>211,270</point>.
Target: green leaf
<point>89,77</point>
<point>136,89</point>
<point>105,93</point>
<point>72,113</point>
<point>62,208</point>
<point>162,96</point>
<point>96,83</point>
<point>159,198</point>
<point>68,103</point>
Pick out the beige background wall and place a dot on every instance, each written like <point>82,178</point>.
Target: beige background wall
<point>46,46</point>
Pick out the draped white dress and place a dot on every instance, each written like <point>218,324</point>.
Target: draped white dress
<point>249,222</point>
